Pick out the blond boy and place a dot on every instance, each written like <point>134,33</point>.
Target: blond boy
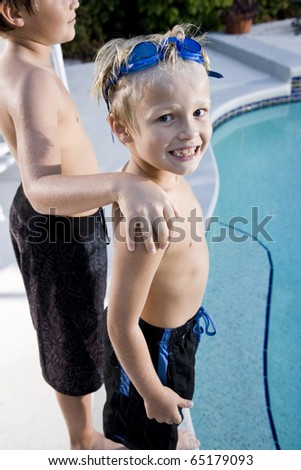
<point>157,93</point>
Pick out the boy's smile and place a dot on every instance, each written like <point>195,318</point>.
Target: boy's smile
<point>173,121</point>
<point>186,154</point>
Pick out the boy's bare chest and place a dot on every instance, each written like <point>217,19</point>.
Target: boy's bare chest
<point>187,242</point>
<point>184,266</point>
<point>189,226</point>
<point>188,247</point>
<point>77,153</point>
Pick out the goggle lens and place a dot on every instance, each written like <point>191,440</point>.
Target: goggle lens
<point>143,50</point>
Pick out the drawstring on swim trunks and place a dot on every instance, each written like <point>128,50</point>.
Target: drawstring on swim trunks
<point>209,322</point>
<point>103,221</point>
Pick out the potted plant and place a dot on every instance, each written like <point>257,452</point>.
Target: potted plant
<point>238,18</point>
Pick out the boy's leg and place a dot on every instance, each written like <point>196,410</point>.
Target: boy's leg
<point>186,436</point>
<point>78,416</point>
<point>65,279</point>
<point>187,441</point>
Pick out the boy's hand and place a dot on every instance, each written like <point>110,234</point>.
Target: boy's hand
<point>164,407</point>
<point>143,202</point>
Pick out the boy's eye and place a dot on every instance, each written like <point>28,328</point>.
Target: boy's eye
<point>165,118</point>
<point>199,112</point>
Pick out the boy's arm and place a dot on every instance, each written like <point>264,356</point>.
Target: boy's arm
<point>35,113</point>
<point>131,280</point>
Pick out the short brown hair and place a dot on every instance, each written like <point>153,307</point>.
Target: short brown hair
<point>29,5</point>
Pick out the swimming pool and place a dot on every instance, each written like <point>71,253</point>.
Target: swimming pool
<point>249,376</point>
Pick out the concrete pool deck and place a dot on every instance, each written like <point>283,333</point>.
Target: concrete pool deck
<point>29,415</point>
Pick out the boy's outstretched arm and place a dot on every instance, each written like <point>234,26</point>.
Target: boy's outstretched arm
<point>131,280</point>
<point>37,112</point>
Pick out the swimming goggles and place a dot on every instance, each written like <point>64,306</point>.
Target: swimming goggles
<point>147,54</point>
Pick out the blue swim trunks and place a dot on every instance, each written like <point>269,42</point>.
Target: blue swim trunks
<point>173,355</point>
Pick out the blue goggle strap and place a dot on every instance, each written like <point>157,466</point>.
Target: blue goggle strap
<point>184,51</point>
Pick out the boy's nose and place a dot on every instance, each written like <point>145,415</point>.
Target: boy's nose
<point>188,131</point>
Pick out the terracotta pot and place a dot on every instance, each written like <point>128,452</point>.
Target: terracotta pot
<point>238,25</point>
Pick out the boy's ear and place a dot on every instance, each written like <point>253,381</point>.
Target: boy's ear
<point>121,132</point>
<point>11,15</point>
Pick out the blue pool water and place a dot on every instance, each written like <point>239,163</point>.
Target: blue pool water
<point>249,376</point>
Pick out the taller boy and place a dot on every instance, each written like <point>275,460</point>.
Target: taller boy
<point>66,280</point>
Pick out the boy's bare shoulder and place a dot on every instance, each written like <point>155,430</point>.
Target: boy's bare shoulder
<point>31,97</point>
<point>21,80</point>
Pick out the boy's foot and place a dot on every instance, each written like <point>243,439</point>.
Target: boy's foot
<point>98,441</point>
<point>107,444</point>
<point>187,441</point>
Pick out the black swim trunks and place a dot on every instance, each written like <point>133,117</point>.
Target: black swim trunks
<point>63,261</point>
<point>173,355</point>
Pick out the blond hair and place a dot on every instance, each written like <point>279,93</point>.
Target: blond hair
<point>116,52</point>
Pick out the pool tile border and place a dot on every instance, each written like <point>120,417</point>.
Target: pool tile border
<point>294,96</point>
